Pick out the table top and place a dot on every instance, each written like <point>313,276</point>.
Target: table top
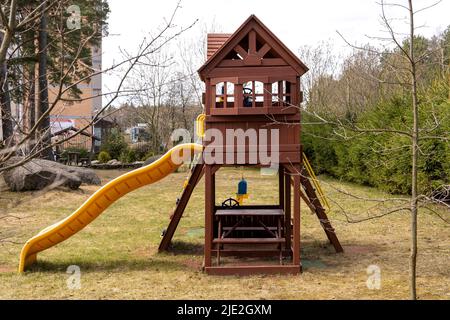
<point>249,212</point>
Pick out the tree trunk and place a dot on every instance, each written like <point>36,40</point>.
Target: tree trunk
<point>92,149</point>
<point>415,155</point>
<point>5,101</point>
<point>44,126</point>
<point>31,105</point>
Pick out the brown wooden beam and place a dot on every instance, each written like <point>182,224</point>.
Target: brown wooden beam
<point>305,198</point>
<point>252,42</point>
<point>296,223</point>
<point>240,63</point>
<point>265,48</point>
<point>277,72</point>
<point>241,51</point>
<point>209,212</point>
<point>250,270</point>
<point>281,186</point>
<point>320,212</point>
<point>287,208</point>
<point>308,203</point>
<point>195,177</point>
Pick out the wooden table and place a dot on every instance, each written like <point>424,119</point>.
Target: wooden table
<point>273,232</point>
<point>72,157</point>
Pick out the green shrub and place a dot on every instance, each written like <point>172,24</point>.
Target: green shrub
<point>115,144</point>
<point>141,150</point>
<point>131,156</point>
<point>128,156</point>
<point>384,160</point>
<point>103,157</point>
<point>123,157</point>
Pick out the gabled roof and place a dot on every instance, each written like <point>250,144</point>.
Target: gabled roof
<point>214,42</point>
<point>252,23</point>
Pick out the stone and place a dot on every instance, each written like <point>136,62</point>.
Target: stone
<point>38,174</point>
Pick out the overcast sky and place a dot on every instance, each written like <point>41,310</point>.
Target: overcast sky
<point>295,22</point>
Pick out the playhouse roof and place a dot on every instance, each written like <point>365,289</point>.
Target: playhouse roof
<point>252,23</point>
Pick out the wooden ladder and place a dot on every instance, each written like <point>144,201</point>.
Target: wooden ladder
<point>312,200</point>
<point>196,175</point>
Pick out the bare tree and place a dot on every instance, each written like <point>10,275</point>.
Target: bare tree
<point>403,64</point>
<point>36,131</point>
<point>148,47</point>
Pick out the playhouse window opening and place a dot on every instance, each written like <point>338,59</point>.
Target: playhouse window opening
<point>225,95</point>
<point>253,93</point>
<point>281,93</point>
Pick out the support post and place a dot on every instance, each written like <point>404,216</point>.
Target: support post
<point>281,186</point>
<point>209,211</point>
<point>181,206</point>
<point>320,212</point>
<point>287,207</point>
<point>296,215</point>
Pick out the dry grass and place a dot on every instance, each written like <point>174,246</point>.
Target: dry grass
<point>118,259</point>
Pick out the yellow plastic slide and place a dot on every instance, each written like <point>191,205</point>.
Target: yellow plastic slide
<point>102,199</point>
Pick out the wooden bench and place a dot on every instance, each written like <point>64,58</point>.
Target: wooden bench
<point>249,240</point>
<point>273,232</point>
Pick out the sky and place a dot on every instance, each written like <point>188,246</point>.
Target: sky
<point>295,22</point>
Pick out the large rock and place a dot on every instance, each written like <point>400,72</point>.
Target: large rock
<point>114,162</point>
<point>87,176</point>
<point>38,174</point>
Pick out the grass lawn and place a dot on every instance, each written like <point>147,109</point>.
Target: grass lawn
<point>118,258</point>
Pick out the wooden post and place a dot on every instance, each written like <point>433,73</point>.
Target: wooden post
<point>290,93</point>
<point>320,212</point>
<point>209,212</point>
<point>287,207</point>
<point>238,97</point>
<point>225,95</point>
<point>280,94</point>
<point>181,206</point>
<point>252,42</point>
<point>212,97</point>
<point>296,215</point>
<point>267,95</point>
<point>208,103</point>
<point>253,94</point>
<point>281,186</point>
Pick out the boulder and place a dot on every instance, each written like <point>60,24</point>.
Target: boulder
<point>114,162</point>
<point>87,176</point>
<point>38,174</point>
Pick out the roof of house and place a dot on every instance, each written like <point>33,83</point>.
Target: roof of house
<point>73,129</point>
<point>223,44</point>
<point>215,41</point>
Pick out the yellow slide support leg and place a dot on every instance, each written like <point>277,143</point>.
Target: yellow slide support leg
<point>103,198</point>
